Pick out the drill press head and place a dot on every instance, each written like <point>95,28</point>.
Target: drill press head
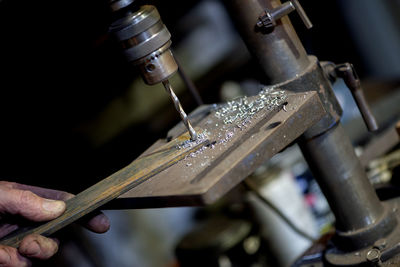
<point>146,43</point>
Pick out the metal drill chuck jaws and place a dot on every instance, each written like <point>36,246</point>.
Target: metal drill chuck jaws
<point>146,43</point>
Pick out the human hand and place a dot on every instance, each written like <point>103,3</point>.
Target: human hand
<point>36,204</point>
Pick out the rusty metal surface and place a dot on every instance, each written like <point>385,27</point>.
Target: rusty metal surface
<point>237,151</point>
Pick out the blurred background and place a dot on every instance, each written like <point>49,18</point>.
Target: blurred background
<point>74,111</point>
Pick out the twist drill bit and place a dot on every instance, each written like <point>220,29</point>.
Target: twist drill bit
<point>180,110</point>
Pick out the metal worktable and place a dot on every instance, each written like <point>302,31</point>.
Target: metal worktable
<point>206,176</point>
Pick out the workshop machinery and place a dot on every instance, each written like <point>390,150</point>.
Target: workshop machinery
<point>232,139</point>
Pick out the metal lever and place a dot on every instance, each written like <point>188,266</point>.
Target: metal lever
<point>306,20</point>
<point>269,18</point>
<point>347,72</point>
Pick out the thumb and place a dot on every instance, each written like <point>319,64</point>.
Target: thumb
<point>29,205</point>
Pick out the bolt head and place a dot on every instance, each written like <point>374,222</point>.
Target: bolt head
<point>373,255</point>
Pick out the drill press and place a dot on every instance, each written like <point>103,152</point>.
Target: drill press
<point>367,229</point>
<point>361,218</point>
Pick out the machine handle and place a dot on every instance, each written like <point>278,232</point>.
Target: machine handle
<point>347,72</point>
<point>306,20</point>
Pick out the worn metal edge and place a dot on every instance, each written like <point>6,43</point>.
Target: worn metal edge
<point>267,149</point>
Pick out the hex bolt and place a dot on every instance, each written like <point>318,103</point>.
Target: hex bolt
<point>374,255</point>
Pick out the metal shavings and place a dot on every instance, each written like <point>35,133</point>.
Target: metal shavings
<point>200,138</point>
<point>240,111</point>
<point>232,117</point>
<point>224,138</point>
<point>197,152</point>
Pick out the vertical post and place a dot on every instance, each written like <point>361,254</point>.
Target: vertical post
<point>342,179</point>
<point>326,147</point>
<point>279,52</point>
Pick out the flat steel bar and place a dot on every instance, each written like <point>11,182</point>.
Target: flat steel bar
<point>111,187</point>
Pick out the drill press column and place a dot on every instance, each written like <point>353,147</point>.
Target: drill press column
<point>285,62</point>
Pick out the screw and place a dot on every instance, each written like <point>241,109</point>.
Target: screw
<point>374,255</point>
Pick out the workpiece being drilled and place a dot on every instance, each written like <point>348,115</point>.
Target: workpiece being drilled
<point>180,110</point>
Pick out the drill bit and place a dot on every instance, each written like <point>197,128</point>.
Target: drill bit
<point>180,110</point>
